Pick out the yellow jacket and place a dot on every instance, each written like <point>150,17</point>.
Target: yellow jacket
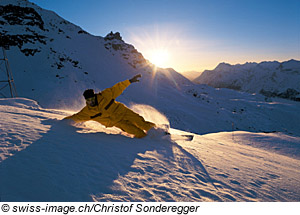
<point>107,112</point>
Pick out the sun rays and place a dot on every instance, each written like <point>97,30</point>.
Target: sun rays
<point>157,43</point>
<point>161,46</point>
<point>160,57</point>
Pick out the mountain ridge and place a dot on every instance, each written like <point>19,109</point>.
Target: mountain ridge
<point>43,47</point>
<point>270,78</point>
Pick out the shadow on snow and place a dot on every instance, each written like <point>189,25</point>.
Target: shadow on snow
<point>65,165</point>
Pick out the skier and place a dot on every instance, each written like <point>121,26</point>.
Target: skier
<point>102,107</point>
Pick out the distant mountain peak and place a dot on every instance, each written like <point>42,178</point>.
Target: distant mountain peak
<point>222,66</point>
<point>270,78</point>
<point>113,36</point>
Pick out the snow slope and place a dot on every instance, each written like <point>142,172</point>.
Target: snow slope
<point>43,159</point>
<point>269,78</point>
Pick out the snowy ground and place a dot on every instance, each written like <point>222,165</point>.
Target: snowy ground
<point>43,159</point>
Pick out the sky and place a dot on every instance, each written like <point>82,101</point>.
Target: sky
<point>193,35</point>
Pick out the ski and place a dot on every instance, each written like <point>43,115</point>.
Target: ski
<point>185,137</point>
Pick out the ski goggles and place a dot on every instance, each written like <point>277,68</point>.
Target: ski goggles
<point>91,101</point>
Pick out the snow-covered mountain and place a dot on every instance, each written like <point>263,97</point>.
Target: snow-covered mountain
<point>53,60</point>
<point>268,78</point>
<point>244,148</point>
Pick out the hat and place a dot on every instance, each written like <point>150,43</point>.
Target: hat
<point>88,93</point>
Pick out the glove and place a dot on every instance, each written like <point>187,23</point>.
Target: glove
<point>135,78</point>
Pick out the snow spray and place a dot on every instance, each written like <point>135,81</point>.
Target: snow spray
<point>150,114</point>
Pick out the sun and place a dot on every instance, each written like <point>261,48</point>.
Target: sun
<point>159,57</point>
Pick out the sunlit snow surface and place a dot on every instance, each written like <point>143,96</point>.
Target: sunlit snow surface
<point>44,159</point>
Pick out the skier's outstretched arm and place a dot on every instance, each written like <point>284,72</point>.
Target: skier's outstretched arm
<point>118,88</point>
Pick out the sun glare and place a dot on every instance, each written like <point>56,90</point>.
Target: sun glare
<point>159,57</point>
